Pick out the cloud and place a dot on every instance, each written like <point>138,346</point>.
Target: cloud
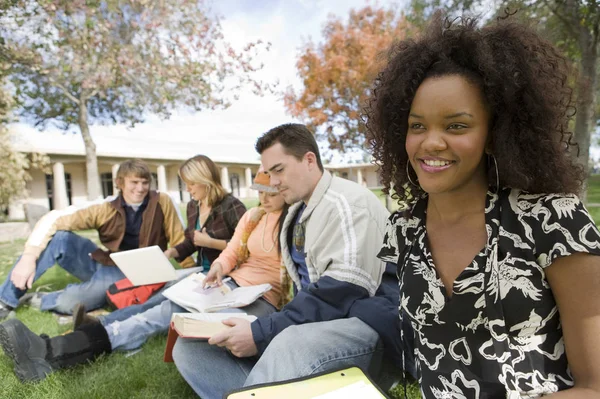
<point>287,25</point>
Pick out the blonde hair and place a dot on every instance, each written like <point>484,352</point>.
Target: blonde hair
<point>202,170</point>
<point>132,167</point>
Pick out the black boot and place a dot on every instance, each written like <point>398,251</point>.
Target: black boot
<point>5,311</point>
<point>36,356</point>
<point>80,317</point>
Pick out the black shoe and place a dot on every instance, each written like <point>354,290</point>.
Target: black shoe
<point>36,356</point>
<point>80,317</point>
<point>27,350</point>
<point>5,311</point>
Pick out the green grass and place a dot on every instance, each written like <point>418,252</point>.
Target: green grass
<point>143,375</point>
<point>593,193</point>
<point>250,202</point>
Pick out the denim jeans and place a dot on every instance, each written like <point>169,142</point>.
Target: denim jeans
<point>297,351</point>
<point>131,333</point>
<point>71,252</point>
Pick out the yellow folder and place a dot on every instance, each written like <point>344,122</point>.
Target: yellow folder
<point>347,383</point>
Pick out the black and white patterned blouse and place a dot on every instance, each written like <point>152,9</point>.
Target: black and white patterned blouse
<point>499,335</point>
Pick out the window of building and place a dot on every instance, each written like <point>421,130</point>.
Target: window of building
<point>107,184</point>
<point>50,189</point>
<point>154,182</point>
<point>182,187</point>
<point>345,175</point>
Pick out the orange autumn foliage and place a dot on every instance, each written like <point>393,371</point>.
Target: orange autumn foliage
<point>337,74</point>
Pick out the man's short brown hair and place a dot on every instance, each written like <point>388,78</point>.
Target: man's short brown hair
<point>295,139</point>
<point>132,167</point>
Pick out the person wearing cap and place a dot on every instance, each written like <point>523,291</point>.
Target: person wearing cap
<point>252,257</point>
<point>345,310</point>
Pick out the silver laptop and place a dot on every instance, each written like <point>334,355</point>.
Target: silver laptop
<point>145,265</point>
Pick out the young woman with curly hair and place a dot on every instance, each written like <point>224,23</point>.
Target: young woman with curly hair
<point>497,257</point>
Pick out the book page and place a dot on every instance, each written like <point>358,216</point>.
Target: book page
<point>190,294</point>
<point>358,390</point>
<point>239,297</point>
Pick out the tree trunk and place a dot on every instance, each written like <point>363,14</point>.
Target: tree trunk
<point>91,161</point>
<point>586,84</point>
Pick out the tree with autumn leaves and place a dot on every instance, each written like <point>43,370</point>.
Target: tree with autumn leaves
<point>85,62</point>
<point>337,74</point>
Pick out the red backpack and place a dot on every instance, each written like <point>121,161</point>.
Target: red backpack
<point>123,293</point>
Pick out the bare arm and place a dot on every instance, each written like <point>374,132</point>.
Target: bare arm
<point>575,283</point>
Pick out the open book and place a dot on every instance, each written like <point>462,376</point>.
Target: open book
<point>197,325</point>
<point>189,294</point>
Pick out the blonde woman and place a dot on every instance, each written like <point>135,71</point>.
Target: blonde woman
<point>212,214</point>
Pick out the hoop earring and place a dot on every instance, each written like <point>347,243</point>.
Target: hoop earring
<point>496,169</point>
<point>408,175</point>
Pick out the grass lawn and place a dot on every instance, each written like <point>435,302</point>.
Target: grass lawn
<point>593,195</point>
<point>142,375</point>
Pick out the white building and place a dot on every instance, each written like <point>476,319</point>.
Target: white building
<point>66,185</point>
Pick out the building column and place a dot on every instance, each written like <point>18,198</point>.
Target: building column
<point>59,188</point>
<point>115,170</point>
<point>225,179</point>
<point>161,174</point>
<point>16,210</point>
<point>359,178</point>
<point>248,173</point>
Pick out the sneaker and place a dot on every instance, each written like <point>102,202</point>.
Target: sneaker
<point>33,299</point>
<point>6,311</point>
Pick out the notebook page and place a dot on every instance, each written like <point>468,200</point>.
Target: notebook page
<point>358,390</point>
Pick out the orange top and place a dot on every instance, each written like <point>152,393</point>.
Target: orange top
<point>262,266</point>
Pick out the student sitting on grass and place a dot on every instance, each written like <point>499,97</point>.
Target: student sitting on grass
<point>346,308</point>
<point>252,257</point>
<point>137,218</point>
<point>212,216</point>
<point>499,267</point>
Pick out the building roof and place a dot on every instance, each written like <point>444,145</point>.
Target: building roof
<point>125,144</point>
<point>119,142</point>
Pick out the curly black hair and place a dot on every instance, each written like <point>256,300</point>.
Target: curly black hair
<point>524,80</point>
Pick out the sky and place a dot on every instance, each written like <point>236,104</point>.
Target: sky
<point>231,133</point>
<point>287,25</point>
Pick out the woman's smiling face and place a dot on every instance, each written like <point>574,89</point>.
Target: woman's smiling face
<point>447,134</point>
